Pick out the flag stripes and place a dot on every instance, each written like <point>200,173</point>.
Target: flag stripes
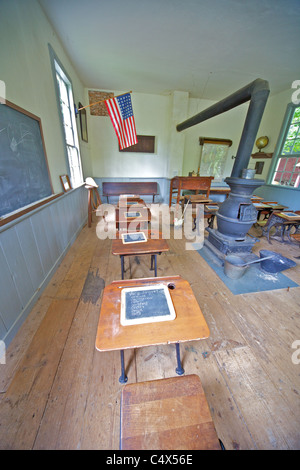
<point>121,115</point>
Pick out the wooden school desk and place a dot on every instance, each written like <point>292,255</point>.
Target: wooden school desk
<point>154,246</point>
<point>284,223</point>
<point>189,182</point>
<point>133,217</point>
<point>189,324</point>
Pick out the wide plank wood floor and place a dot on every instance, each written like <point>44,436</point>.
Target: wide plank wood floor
<point>58,392</point>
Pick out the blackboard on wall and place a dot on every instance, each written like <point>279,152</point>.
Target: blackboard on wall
<point>24,173</point>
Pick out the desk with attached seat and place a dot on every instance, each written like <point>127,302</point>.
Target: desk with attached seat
<point>155,245</point>
<point>189,324</point>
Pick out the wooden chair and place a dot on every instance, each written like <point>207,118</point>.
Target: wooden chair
<point>94,201</point>
<point>167,414</point>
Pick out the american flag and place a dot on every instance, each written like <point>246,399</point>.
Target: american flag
<point>121,114</point>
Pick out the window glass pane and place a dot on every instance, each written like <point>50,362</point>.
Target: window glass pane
<point>296,116</point>
<point>290,163</point>
<point>281,164</point>
<point>277,177</point>
<point>296,148</point>
<point>75,166</point>
<point>62,90</point>
<point>69,123</point>
<point>293,130</point>
<point>287,173</point>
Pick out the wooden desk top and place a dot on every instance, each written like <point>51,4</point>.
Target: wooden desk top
<point>131,201</point>
<point>189,324</point>
<point>154,244</point>
<point>260,206</point>
<point>220,190</point>
<point>163,414</point>
<point>191,182</point>
<point>277,207</point>
<point>197,198</point>
<point>288,219</point>
<point>144,211</point>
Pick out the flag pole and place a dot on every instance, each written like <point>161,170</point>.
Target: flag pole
<point>102,101</point>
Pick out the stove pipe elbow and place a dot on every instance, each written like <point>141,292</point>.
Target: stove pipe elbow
<point>257,93</point>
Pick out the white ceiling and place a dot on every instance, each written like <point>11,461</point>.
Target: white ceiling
<point>209,48</point>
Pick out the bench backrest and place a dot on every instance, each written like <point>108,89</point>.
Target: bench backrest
<point>134,187</point>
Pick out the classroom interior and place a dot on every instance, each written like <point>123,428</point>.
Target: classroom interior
<point>57,390</point>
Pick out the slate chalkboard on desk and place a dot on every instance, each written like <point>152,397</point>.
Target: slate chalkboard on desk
<point>24,173</point>
<point>146,304</point>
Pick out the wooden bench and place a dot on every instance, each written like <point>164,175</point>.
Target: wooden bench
<point>167,414</point>
<point>141,188</point>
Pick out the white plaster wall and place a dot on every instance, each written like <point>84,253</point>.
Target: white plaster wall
<point>228,125</point>
<point>152,116</point>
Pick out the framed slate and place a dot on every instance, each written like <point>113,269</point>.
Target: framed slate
<point>146,304</point>
<point>133,237</point>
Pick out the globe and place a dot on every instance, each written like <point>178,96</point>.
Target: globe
<point>262,142</point>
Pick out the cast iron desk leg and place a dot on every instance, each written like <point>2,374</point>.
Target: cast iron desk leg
<point>179,370</point>
<point>123,379</point>
<point>154,258</point>
<point>122,266</point>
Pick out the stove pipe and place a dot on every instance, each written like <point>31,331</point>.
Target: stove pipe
<point>257,92</point>
<point>237,214</point>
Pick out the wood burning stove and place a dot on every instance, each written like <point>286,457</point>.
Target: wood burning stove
<point>237,214</point>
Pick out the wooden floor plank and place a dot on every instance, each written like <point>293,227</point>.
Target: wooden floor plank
<point>22,408</point>
<point>265,412</point>
<point>59,392</point>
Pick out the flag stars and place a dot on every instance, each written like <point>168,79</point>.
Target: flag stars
<point>125,106</point>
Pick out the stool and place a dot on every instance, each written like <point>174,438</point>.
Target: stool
<point>167,414</point>
<point>93,202</point>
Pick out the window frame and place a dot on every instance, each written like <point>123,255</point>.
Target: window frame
<point>291,107</point>
<point>58,68</point>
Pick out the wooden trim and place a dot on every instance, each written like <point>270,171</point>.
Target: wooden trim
<point>262,155</point>
<point>65,179</point>
<point>145,144</point>
<point>36,118</point>
<point>213,140</point>
<point>5,220</point>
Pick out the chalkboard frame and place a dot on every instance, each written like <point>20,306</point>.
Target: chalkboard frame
<point>6,218</point>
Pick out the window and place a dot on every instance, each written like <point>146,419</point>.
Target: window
<point>286,169</point>
<point>213,157</point>
<point>65,93</point>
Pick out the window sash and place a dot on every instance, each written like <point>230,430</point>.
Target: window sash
<point>69,126</point>
<point>283,171</point>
